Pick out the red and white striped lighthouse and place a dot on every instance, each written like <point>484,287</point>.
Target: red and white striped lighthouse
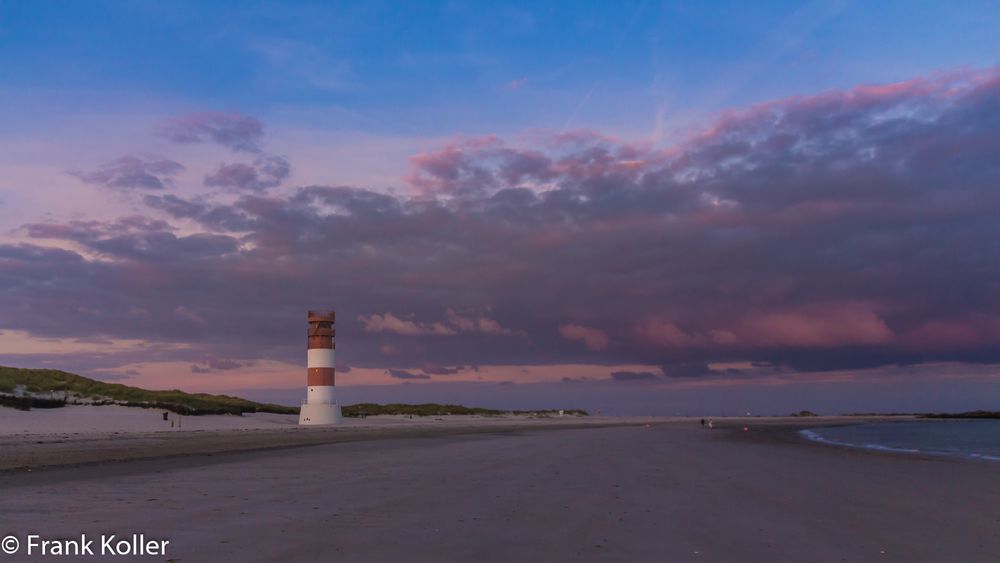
<point>321,405</point>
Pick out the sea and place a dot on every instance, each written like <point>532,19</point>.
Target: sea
<point>979,439</point>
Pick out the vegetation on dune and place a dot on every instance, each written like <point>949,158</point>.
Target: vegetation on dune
<point>28,403</point>
<point>970,414</point>
<point>73,388</point>
<point>48,388</point>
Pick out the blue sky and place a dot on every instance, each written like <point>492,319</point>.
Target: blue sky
<point>433,69</point>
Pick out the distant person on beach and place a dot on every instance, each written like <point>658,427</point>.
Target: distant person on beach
<point>710,423</point>
<point>703,423</point>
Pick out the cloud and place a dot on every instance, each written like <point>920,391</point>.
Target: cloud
<point>819,326</point>
<point>472,168</point>
<point>440,370</point>
<point>456,324</point>
<point>478,323</point>
<point>133,172</point>
<point>594,339</point>
<point>390,323</point>
<point>515,84</point>
<point>845,230</point>
<point>686,369</point>
<point>136,237</point>
<point>232,130</point>
<point>664,334</point>
<point>403,374</point>
<point>294,64</point>
<point>633,376</point>
<point>220,364</point>
<point>265,172</point>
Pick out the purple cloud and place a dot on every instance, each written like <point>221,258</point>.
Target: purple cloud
<point>217,364</point>
<point>686,369</point>
<point>403,374</point>
<point>633,376</point>
<point>265,172</point>
<point>845,230</point>
<point>432,369</point>
<point>133,172</point>
<point>233,130</point>
<point>136,238</point>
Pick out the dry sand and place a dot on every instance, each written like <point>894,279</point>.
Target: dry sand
<point>79,419</point>
<point>75,435</point>
<point>499,492</point>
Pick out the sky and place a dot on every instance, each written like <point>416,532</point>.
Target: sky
<point>630,207</point>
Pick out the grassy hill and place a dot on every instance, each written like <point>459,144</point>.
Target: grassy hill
<point>41,388</point>
<point>48,388</point>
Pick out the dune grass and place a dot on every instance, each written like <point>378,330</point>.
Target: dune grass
<point>48,388</point>
<point>52,383</point>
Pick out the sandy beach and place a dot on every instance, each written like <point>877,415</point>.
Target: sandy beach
<point>506,491</point>
<point>76,435</point>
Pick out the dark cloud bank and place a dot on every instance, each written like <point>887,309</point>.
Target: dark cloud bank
<point>845,230</point>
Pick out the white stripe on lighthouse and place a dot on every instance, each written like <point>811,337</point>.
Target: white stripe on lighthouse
<point>320,358</point>
<point>320,395</point>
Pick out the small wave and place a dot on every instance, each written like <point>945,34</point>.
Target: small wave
<point>813,436</point>
<point>889,449</point>
<point>816,437</point>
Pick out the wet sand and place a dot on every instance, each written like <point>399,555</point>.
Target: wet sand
<point>667,492</point>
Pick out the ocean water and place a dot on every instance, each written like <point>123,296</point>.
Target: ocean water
<point>966,438</point>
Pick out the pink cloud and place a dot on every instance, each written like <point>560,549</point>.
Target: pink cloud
<point>592,338</point>
<point>816,326</point>
<point>390,323</point>
<point>665,334</point>
<point>956,332</point>
<point>454,324</point>
<point>475,166</point>
<point>481,324</point>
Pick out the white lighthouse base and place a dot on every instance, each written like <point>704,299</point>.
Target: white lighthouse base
<point>314,414</point>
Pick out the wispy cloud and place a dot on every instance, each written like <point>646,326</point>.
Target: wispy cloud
<point>232,130</point>
<point>133,172</point>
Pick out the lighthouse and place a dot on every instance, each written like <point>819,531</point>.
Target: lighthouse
<point>320,406</point>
